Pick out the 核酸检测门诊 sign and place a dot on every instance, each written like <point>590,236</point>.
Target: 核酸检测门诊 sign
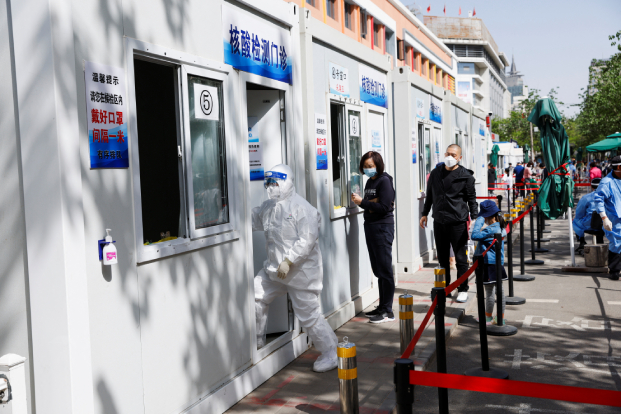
<point>106,116</point>
<point>256,46</point>
<point>373,86</point>
<point>435,110</point>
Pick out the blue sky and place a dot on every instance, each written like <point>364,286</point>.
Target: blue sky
<point>553,41</point>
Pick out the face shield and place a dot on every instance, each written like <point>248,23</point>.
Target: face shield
<point>273,183</point>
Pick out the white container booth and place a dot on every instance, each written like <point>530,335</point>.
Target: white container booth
<point>346,113</point>
<point>147,114</point>
<point>419,146</point>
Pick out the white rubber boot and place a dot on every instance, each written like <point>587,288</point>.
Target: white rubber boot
<point>325,341</point>
<point>261,315</point>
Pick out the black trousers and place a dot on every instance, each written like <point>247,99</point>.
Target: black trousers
<point>614,263</point>
<point>379,239</point>
<point>456,235</point>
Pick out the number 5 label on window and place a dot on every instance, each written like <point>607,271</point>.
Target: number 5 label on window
<point>354,126</point>
<point>206,105</point>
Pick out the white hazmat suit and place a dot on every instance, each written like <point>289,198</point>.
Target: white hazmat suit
<point>293,264</point>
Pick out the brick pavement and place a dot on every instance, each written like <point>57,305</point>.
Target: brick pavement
<point>297,389</point>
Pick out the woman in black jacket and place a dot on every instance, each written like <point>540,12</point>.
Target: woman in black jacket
<point>379,229</point>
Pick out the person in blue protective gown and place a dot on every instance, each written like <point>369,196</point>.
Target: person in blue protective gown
<point>582,219</point>
<point>293,264</point>
<point>607,201</point>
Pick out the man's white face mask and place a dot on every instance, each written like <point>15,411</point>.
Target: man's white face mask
<point>450,161</point>
<point>273,192</point>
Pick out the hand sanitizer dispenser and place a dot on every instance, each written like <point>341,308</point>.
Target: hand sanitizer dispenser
<point>109,250</point>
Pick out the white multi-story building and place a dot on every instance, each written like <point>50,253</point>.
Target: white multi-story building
<point>480,65</point>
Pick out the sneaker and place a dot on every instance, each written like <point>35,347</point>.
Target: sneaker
<point>383,317</point>
<point>488,320</point>
<point>504,321</point>
<point>462,297</point>
<point>374,312</point>
<point>614,276</point>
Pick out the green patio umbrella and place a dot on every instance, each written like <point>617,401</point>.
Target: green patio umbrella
<point>612,142</point>
<point>555,193</point>
<point>526,153</point>
<point>493,158</point>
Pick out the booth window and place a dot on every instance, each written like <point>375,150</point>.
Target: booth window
<point>424,149</point>
<point>158,140</point>
<point>311,2</point>
<point>337,126</point>
<point>208,161</point>
<point>354,152</point>
<point>346,146</point>
<point>183,168</point>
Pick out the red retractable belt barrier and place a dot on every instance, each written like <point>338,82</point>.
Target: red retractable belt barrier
<point>513,188</point>
<point>448,289</point>
<point>463,277</point>
<point>517,220</point>
<point>519,388</point>
<point>421,328</point>
<point>582,184</point>
<point>487,198</point>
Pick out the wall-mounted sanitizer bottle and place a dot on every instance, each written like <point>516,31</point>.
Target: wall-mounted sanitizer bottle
<point>109,250</point>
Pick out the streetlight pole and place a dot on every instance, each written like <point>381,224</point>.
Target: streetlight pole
<point>532,145</point>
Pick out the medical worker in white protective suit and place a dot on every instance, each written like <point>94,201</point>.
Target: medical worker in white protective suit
<point>293,262</point>
<point>607,202</point>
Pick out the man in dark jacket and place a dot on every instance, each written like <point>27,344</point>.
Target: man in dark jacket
<point>451,192</point>
<point>491,178</point>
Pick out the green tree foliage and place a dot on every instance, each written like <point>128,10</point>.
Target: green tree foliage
<point>600,110</point>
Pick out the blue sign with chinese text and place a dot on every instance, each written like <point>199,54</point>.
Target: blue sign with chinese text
<point>255,46</point>
<point>373,86</point>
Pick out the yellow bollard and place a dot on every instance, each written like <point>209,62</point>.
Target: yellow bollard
<point>406,319</point>
<point>348,377</point>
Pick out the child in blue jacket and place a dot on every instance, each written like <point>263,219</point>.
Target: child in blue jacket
<point>488,223</point>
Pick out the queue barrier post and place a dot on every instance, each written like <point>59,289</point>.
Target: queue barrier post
<point>540,238</point>
<point>509,199</point>
<point>499,198</point>
<point>348,377</point>
<point>485,370</point>
<point>522,277</point>
<point>440,280</point>
<point>440,294</point>
<point>500,329</point>
<point>406,319</point>
<point>543,225</point>
<point>533,260</point>
<point>403,389</point>
<point>511,299</point>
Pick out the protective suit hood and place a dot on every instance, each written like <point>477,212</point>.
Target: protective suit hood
<point>286,185</point>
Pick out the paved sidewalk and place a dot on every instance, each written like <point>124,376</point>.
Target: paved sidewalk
<point>297,388</point>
